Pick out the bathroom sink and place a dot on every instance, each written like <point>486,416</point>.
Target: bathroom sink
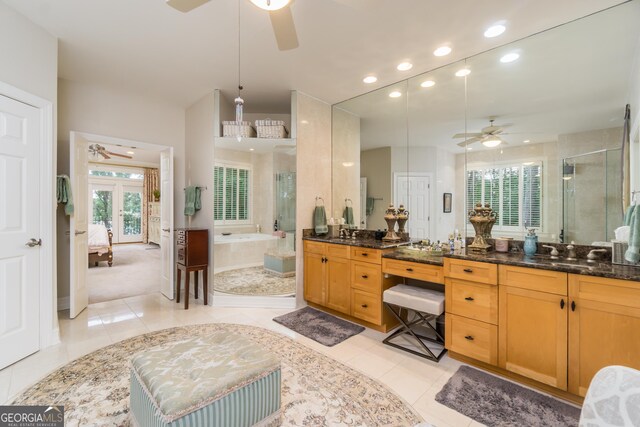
<point>569,264</point>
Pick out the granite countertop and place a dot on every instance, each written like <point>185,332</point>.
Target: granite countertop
<point>359,242</point>
<point>414,256</point>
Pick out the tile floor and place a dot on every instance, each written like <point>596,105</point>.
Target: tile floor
<point>413,378</point>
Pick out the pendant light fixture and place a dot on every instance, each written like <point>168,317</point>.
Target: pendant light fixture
<point>239,102</point>
<point>271,4</point>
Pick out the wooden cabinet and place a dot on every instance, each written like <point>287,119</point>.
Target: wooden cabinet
<point>604,327</point>
<point>193,256</point>
<point>471,304</point>
<point>533,324</point>
<point>413,270</point>
<point>327,275</point>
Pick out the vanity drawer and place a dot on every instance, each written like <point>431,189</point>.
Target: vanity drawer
<point>366,306</point>
<point>553,282</point>
<point>472,338</point>
<point>366,254</point>
<point>473,300</point>
<point>314,247</point>
<point>337,251</point>
<point>482,272</point>
<point>413,270</point>
<point>366,276</point>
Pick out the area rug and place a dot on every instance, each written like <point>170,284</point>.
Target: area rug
<point>253,281</point>
<point>497,402</point>
<point>316,390</point>
<point>319,326</point>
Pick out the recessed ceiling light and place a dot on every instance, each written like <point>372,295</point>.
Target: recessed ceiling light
<point>527,163</point>
<point>509,57</point>
<point>347,164</point>
<point>304,122</point>
<point>442,51</point>
<point>494,31</point>
<point>463,72</point>
<point>270,4</point>
<point>469,148</point>
<point>404,66</point>
<point>251,149</point>
<point>130,152</point>
<point>370,79</point>
<point>395,94</point>
<point>526,140</point>
<point>427,83</point>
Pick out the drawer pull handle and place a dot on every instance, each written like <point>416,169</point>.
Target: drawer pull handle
<point>562,304</point>
<point>469,298</point>
<point>468,270</point>
<point>573,306</point>
<point>468,337</point>
<point>409,269</point>
<point>363,254</point>
<point>364,276</point>
<point>364,306</point>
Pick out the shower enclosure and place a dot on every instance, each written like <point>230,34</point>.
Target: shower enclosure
<point>286,207</point>
<point>587,217</point>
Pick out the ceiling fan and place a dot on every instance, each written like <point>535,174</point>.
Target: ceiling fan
<point>96,150</point>
<point>488,136</point>
<point>282,23</point>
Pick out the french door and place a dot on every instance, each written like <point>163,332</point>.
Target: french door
<point>119,207</point>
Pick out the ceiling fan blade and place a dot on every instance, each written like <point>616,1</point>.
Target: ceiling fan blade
<point>466,135</point>
<point>284,28</point>
<point>468,142</point>
<point>119,155</point>
<point>185,6</point>
<point>103,154</point>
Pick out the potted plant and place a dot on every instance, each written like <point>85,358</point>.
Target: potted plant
<point>156,195</point>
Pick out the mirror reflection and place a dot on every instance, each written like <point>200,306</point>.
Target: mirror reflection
<point>534,128</point>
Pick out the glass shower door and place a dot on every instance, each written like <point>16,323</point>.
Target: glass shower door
<point>286,206</point>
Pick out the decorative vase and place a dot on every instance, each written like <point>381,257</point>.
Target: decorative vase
<point>391,217</point>
<point>482,219</point>
<point>530,245</point>
<point>403,217</point>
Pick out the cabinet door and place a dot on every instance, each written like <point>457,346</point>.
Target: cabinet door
<point>338,284</point>
<point>604,327</point>
<point>533,335</point>
<point>314,278</point>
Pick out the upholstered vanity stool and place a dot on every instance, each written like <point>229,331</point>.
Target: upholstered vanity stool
<point>193,255</point>
<point>220,380</point>
<point>421,306</point>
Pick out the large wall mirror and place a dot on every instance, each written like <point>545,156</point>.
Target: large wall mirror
<point>534,128</point>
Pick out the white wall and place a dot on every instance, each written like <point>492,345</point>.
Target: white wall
<point>111,112</point>
<point>31,64</point>
<point>346,171</point>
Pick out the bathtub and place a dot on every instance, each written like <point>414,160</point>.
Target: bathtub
<point>241,250</point>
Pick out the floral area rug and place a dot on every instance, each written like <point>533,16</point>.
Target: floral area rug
<point>253,281</point>
<point>316,390</point>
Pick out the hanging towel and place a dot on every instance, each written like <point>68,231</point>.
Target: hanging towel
<point>370,203</point>
<point>63,193</point>
<point>192,202</point>
<point>320,220</point>
<point>633,252</point>
<point>348,217</point>
<point>627,216</point>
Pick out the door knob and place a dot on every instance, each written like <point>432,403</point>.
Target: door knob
<point>33,242</point>
<point>79,232</point>
<point>166,229</point>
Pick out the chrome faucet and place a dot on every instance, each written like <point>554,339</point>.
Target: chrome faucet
<point>592,257</point>
<point>344,234</point>
<point>554,251</point>
<point>571,252</point>
<point>353,234</point>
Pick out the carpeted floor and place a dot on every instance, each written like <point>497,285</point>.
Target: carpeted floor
<point>135,271</point>
<point>497,402</point>
<point>316,390</point>
<point>255,281</point>
<point>319,326</point>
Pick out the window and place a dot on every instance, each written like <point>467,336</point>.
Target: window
<point>231,194</point>
<point>514,192</point>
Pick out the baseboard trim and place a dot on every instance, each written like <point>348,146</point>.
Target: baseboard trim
<point>64,303</point>
<point>252,302</point>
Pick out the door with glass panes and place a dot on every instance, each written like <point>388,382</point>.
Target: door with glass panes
<point>119,208</point>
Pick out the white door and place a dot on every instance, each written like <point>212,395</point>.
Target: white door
<point>19,225</point>
<point>130,213</point>
<point>363,203</point>
<point>102,202</point>
<point>414,193</point>
<point>166,223</point>
<point>78,252</point>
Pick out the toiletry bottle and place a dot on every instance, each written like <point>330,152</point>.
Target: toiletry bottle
<point>451,242</point>
<point>275,225</point>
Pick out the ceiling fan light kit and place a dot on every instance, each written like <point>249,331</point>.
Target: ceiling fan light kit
<point>492,142</point>
<point>271,4</point>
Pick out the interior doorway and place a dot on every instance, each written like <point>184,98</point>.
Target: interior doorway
<point>118,205</point>
<point>414,192</point>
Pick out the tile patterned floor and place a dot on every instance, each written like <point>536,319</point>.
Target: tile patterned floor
<point>414,379</point>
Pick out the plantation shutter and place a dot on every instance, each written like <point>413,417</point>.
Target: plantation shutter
<point>231,194</point>
<point>218,193</point>
<point>509,214</point>
<point>243,194</point>
<point>532,196</point>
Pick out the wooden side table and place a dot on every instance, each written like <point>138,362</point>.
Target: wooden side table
<point>193,255</point>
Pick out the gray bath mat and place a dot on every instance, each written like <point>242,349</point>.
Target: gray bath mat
<point>319,326</point>
<point>496,402</point>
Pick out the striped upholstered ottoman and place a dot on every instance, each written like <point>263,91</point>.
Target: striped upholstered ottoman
<point>221,380</point>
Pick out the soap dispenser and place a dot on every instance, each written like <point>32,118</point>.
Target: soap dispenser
<point>530,242</point>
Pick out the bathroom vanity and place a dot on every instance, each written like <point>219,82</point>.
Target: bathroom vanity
<point>546,323</point>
